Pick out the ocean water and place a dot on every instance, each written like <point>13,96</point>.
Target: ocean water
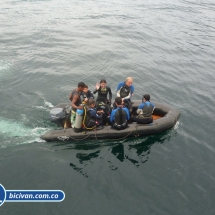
<point>48,46</point>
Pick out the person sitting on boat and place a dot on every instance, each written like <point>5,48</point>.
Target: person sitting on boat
<point>144,111</point>
<point>125,90</point>
<point>86,95</point>
<point>75,98</point>
<point>119,116</point>
<point>92,118</point>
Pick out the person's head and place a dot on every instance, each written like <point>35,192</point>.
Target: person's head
<point>129,81</point>
<point>146,97</point>
<point>118,101</point>
<point>81,86</point>
<point>103,83</point>
<point>91,103</point>
<point>85,90</point>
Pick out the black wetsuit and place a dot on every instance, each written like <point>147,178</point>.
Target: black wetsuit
<point>92,118</point>
<point>102,101</point>
<point>102,94</point>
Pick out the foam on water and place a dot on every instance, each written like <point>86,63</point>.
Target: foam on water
<point>10,129</point>
<point>5,68</point>
<point>15,132</point>
<point>47,106</point>
<point>176,125</point>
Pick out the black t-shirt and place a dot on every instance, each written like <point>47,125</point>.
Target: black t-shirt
<point>78,102</point>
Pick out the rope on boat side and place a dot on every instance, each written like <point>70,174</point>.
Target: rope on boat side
<point>121,138</point>
<point>65,137</point>
<point>68,137</point>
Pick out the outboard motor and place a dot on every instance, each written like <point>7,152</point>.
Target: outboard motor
<point>57,116</point>
<point>78,120</point>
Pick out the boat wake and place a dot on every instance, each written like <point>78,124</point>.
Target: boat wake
<point>16,133</point>
<point>47,106</point>
<point>5,68</point>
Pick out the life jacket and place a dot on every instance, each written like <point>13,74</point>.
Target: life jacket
<point>146,111</point>
<point>88,122</point>
<point>124,91</point>
<point>120,121</point>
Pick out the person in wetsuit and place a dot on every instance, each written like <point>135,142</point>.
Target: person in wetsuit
<point>93,117</point>
<point>103,90</point>
<point>102,102</point>
<point>144,111</point>
<point>86,95</point>
<point>125,91</point>
<point>119,117</point>
<point>75,98</point>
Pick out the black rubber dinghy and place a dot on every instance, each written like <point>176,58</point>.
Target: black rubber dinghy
<point>164,118</point>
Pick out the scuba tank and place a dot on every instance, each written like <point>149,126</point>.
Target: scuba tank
<point>78,120</point>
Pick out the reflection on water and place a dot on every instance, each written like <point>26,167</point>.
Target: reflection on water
<point>118,151</point>
<point>132,150</point>
<point>140,146</point>
<point>79,170</point>
<point>83,157</point>
<point>87,157</point>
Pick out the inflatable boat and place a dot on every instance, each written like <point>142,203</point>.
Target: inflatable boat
<point>164,118</point>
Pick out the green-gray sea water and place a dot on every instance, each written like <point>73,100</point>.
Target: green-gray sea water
<point>48,46</point>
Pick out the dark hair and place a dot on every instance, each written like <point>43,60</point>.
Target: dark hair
<point>118,100</point>
<point>86,86</point>
<point>103,81</point>
<point>81,84</point>
<point>90,102</point>
<point>146,97</point>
